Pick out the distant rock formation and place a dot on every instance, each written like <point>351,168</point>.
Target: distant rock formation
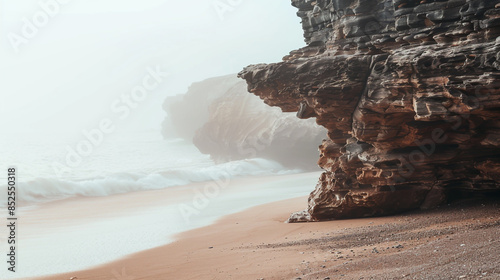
<point>188,112</point>
<point>409,92</point>
<point>223,120</point>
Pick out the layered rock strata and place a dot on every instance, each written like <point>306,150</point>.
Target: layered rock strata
<point>409,92</point>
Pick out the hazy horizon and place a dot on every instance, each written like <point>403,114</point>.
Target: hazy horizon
<point>87,54</point>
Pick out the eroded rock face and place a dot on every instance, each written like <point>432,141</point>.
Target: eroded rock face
<point>409,92</point>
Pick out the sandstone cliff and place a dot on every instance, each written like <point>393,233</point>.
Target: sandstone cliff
<point>223,120</point>
<point>409,92</point>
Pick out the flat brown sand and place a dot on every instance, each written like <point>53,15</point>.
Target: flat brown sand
<point>458,241</point>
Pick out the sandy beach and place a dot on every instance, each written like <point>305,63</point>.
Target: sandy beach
<point>458,241</point>
<point>82,232</point>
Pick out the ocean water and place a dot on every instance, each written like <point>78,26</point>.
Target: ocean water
<point>52,170</point>
<point>103,209</point>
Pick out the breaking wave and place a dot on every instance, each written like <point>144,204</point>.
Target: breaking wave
<point>43,190</point>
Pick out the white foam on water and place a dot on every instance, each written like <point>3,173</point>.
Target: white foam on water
<point>59,245</point>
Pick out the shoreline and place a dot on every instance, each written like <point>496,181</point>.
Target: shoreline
<point>461,240</point>
<point>84,232</point>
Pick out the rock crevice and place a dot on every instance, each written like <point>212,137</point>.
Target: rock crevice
<point>409,92</point>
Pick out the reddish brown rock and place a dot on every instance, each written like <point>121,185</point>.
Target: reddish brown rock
<point>409,92</point>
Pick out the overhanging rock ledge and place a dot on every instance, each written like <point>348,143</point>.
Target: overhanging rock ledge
<point>410,94</point>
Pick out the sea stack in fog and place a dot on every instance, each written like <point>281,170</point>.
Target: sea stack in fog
<point>410,94</point>
<point>223,120</point>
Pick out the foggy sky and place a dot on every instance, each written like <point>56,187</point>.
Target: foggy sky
<point>91,52</point>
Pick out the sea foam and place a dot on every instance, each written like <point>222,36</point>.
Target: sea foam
<point>41,190</point>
